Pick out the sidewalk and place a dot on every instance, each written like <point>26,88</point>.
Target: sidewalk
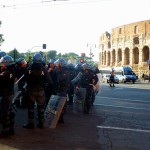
<point>79,132</point>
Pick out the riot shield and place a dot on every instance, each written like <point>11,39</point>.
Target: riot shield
<point>53,111</point>
<point>97,87</point>
<point>79,100</point>
<point>77,78</point>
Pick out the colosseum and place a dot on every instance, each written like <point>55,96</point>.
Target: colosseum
<point>127,45</point>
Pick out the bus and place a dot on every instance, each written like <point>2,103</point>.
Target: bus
<point>105,71</point>
<point>125,74</point>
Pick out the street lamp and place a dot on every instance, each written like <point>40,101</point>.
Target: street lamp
<point>91,46</point>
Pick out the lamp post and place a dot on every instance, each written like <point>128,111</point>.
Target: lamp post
<point>91,46</point>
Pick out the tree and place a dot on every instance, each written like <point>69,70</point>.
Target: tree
<point>1,36</point>
<point>14,54</point>
<point>51,54</point>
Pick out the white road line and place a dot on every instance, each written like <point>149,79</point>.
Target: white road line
<point>123,99</point>
<point>126,129</point>
<point>122,107</point>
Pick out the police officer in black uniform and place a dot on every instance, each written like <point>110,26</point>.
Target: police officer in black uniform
<point>62,81</point>
<point>36,76</point>
<point>88,79</point>
<point>7,114</point>
<point>2,54</point>
<point>51,89</point>
<point>20,69</point>
<point>72,75</point>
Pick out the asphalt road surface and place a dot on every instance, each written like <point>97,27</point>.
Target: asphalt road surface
<point>125,110</point>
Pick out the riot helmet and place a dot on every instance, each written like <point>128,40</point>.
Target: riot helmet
<point>70,66</point>
<point>94,69</point>
<point>60,62</point>
<point>22,62</point>
<point>86,66</point>
<point>78,67</point>
<point>51,61</point>
<point>37,58</point>
<point>6,61</point>
<point>2,54</point>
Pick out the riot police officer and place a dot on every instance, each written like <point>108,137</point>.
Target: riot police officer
<point>20,68</point>
<point>87,79</point>
<point>62,81</point>
<point>51,89</point>
<point>7,114</point>
<point>36,76</point>
<point>2,54</point>
<point>72,75</point>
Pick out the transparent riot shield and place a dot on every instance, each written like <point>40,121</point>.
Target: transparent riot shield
<point>53,111</point>
<point>79,100</point>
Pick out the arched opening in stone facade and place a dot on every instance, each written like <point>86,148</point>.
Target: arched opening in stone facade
<point>109,44</point>
<point>108,60</point>
<point>135,40</point>
<point>105,58</point>
<point>145,53</point>
<point>135,54</point>
<point>126,56</point>
<point>113,57</point>
<point>119,55</point>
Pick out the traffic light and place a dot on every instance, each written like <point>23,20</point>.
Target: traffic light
<point>44,46</point>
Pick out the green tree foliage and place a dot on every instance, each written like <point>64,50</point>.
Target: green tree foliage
<point>15,54</point>
<point>1,36</point>
<point>51,54</point>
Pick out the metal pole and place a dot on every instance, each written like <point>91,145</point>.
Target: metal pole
<point>149,72</point>
<point>90,55</point>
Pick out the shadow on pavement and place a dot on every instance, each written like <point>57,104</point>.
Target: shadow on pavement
<point>79,132</point>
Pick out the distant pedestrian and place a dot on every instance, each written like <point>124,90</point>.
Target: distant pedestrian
<point>112,79</point>
<point>143,76</point>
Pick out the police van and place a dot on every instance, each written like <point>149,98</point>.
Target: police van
<point>125,74</point>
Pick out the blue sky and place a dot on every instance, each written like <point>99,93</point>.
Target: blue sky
<point>65,26</point>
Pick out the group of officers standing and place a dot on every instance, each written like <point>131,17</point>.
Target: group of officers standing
<point>38,81</point>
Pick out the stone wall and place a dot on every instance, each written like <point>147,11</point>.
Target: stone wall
<point>127,45</point>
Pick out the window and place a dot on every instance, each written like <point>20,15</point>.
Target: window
<point>119,30</point>
<point>135,29</point>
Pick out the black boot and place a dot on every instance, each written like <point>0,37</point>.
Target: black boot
<point>11,131</point>
<point>4,134</point>
<point>61,119</point>
<point>40,125</point>
<point>28,126</point>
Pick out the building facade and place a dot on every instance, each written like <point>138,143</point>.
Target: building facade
<point>127,45</point>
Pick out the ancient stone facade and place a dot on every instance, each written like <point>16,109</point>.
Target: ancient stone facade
<point>127,45</point>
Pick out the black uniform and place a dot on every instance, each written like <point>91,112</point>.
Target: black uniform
<point>19,72</point>
<point>7,113</point>
<point>36,76</point>
<point>62,81</point>
<point>88,77</point>
<point>70,91</point>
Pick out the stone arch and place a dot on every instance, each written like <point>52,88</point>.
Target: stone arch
<point>126,56</point>
<point>113,57</point>
<point>108,60</point>
<point>136,40</point>
<point>135,55</point>
<point>104,57</point>
<point>109,44</point>
<point>145,53</point>
<point>119,55</point>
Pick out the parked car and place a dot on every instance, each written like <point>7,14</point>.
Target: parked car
<point>107,77</point>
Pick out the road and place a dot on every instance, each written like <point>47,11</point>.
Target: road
<point>125,110</point>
